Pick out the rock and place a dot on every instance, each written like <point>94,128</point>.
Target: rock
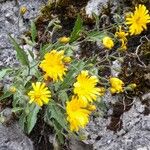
<point>146,97</point>
<point>115,68</point>
<point>95,7</point>
<point>134,135</point>
<point>78,145</point>
<point>11,136</point>
<point>12,23</point>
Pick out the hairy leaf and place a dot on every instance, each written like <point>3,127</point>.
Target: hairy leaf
<point>32,118</point>
<point>3,72</point>
<point>57,114</point>
<point>76,30</point>
<point>5,95</point>
<point>33,31</point>
<point>21,54</point>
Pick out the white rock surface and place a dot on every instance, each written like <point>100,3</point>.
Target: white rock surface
<point>11,23</point>
<point>94,6</point>
<point>11,136</point>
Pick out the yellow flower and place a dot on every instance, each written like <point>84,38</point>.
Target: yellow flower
<point>67,59</point>
<point>54,65</point>
<point>102,91</point>
<point>12,89</point>
<point>116,85</point>
<point>121,34</point>
<point>40,94</point>
<point>108,42</point>
<point>85,87</point>
<point>23,10</point>
<point>45,77</point>
<point>91,107</point>
<point>64,39</point>
<point>123,45</point>
<point>138,20</point>
<point>78,113</point>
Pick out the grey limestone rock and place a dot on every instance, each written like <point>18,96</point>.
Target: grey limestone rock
<point>134,135</point>
<point>95,6</point>
<point>12,23</point>
<point>11,136</point>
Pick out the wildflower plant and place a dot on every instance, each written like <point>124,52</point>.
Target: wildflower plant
<point>57,83</point>
<point>138,20</point>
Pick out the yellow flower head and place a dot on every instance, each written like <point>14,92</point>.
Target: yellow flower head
<point>12,89</point>
<point>54,65</point>
<point>64,39</point>
<point>40,94</point>
<point>67,59</point>
<point>78,113</point>
<point>108,42</point>
<point>85,87</point>
<point>123,45</point>
<point>121,34</point>
<point>116,85</point>
<point>138,20</point>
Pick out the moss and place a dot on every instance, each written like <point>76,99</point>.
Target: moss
<point>144,52</point>
<point>65,10</point>
<point>140,1</point>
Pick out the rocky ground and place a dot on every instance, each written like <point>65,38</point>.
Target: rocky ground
<point>12,23</point>
<point>11,136</point>
<point>132,130</point>
<point>133,135</point>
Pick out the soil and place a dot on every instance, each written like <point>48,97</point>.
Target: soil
<point>40,135</point>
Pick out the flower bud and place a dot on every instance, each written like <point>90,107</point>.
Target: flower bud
<point>12,89</point>
<point>23,10</point>
<point>64,39</point>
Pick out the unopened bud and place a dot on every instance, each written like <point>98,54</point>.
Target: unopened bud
<point>12,89</point>
<point>23,10</point>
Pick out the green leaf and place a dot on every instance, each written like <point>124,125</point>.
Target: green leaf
<point>16,100</point>
<point>33,31</point>
<point>16,109</point>
<point>96,36</point>
<point>76,67</point>
<point>22,120</point>
<point>28,41</point>
<point>31,54</point>
<point>57,114</point>
<point>3,73</point>
<point>63,95</point>
<point>32,118</point>
<point>97,20</point>
<point>94,71</point>
<point>59,132</point>
<point>5,95</point>
<point>60,137</point>
<point>76,30</point>
<point>44,49</point>
<point>21,54</point>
